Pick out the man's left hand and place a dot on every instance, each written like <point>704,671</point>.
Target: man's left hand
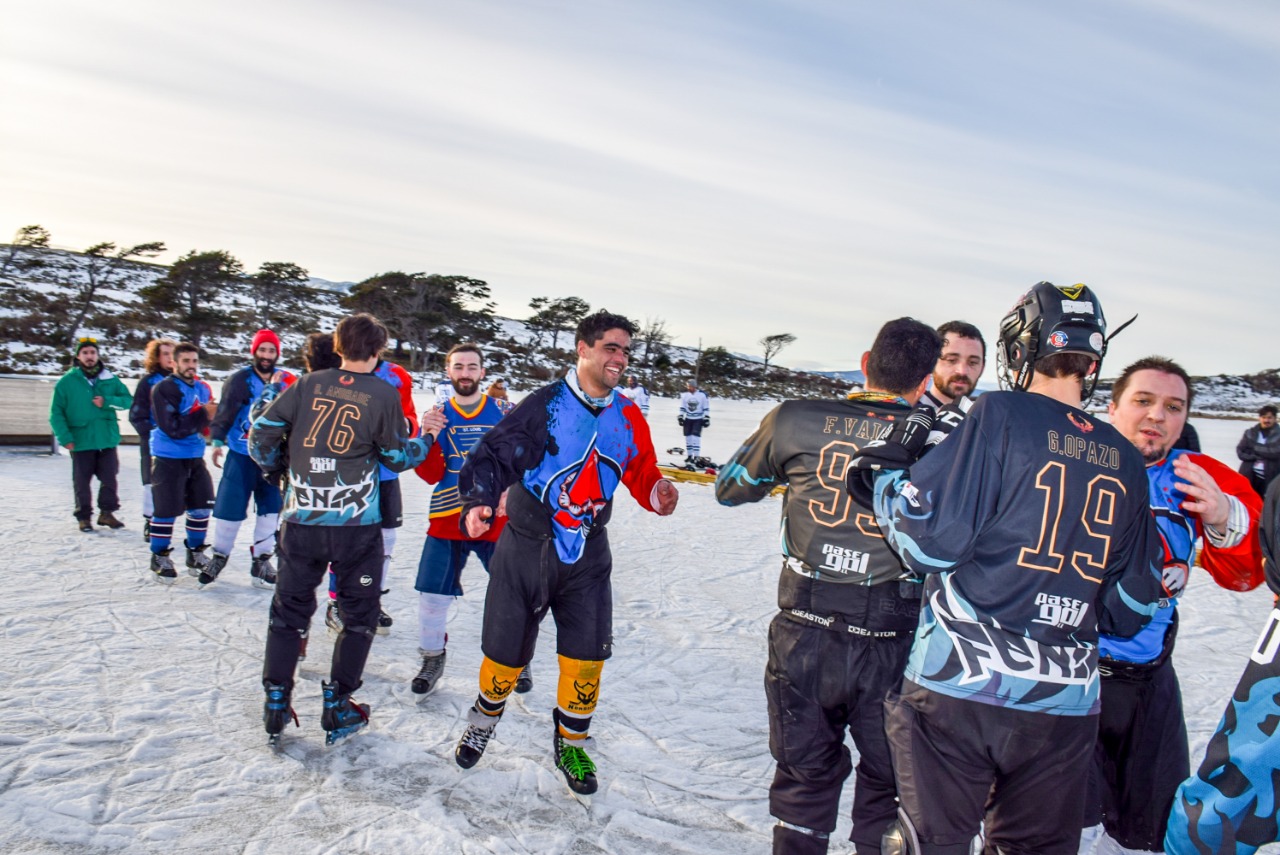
<point>1205,498</point>
<point>98,401</point>
<point>667,496</point>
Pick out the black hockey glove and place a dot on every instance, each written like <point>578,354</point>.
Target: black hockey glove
<point>680,418</point>
<point>947,419</point>
<point>706,421</point>
<point>899,450</point>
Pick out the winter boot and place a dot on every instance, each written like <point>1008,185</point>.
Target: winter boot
<point>197,561</point>
<point>524,683</point>
<point>213,568</point>
<point>263,572</point>
<point>162,566</point>
<point>333,618</point>
<point>342,716</point>
<point>475,739</point>
<point>109,520</point>
<point>430,673</point>
<point>572,760</point>
<point>86,526</point>
<point>276,712</point>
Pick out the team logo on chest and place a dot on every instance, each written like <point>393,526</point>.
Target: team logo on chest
<point>581,490</point>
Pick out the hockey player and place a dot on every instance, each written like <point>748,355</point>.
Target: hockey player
<point>963,359</point>
<point>1031,524</point>
<point>637,392</point>
<point>158,364</point>
<point>848,608</point>
<point>182,406</point>
<point>83,415</point>
<point>469,415</point>
<point>694,415</point>
<point>563,451</point>
<point>1141,755</point>
<point>331,429</point>
<point>241,477</point>
<point>392,507</point>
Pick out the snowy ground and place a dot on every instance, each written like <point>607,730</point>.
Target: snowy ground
<point>132,710</point>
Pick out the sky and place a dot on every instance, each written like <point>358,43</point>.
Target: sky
<point>737,169</point>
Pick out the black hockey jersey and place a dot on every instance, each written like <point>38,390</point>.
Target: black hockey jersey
<point>331,429</point>
<point>832,548</point>
<point>1032,523</point>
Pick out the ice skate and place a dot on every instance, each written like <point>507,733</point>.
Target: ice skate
<point>342,716</point>
<point>429,674</point>
<point>384,623</point>
<point>146,529</point>
<point>276,713</point>
<point>572,761</point>
<point>162,566</point>
<point>333,618</point>
<point>213,568</point>
<point>197,561</point>
<point>263,572</point>
<point>524,682</point>
<point>475,739</point>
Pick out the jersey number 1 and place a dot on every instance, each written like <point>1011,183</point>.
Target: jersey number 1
<point>1097,518</point>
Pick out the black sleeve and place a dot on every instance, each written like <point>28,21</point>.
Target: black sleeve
<point>235,394</point>
<point>140,411</point>
<point>166,406</point>
<point>1269,530</point>
<point>1244,450</point>
<point>513,446</point>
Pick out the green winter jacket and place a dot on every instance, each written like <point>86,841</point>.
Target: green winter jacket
<point>74,417</point>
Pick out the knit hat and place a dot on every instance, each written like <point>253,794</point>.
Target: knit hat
<point>86,341</point>
<point>262,337</point>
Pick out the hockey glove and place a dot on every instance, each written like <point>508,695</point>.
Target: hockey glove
<point>1174,578</point>
<point>947,419</point>
<point>680,418</point>
<point>897,451</point>
<point>706,421</point>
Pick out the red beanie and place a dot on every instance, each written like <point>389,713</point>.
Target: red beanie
<point>262,337</point>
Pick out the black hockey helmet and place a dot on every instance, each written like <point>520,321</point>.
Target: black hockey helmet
<point>1046,320</point>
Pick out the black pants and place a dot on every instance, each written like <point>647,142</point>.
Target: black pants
<point>103,464</point>
<point>305,553</point>
<point>820,683</point>
<point>956,758</point>
<point>144,456</point>
<point>1141,755</point>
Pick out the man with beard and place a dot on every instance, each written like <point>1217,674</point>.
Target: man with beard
<point>158,364</point>
<point>83,416</point>
<point>1141,754</point>
<point>564,452</point>
<point>182,405</point>
<point>241,477</point>
<point>963,358</point>
<point>1259,450</point>
<point>469,415</point>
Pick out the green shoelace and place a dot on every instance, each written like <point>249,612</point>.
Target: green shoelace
<point>574,760</point>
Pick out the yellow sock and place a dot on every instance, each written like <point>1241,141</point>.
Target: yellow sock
<point>496,683</point>
<point>576,695</point>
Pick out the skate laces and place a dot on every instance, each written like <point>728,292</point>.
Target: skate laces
<point>574,759</point>
<point>477,738</point>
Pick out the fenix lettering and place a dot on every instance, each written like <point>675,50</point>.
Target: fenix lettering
<point>983,649</point>
<point>355,498</point>
<point>351,395</point>
<point>856,427</point>
<point>837,559</point>
<point>1079,448</point>
<point>323,464</point>
<point>1059,611</point>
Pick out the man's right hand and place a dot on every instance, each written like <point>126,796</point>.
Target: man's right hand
<point>433,422</point>
<point>217,457</point>
<point>211,409</point>
<point>478,521</point>
<point>70,446</point>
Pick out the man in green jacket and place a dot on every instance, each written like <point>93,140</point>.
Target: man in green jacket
<point>84,420</point>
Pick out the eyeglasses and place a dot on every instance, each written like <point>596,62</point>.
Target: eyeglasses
<point>88,339</point>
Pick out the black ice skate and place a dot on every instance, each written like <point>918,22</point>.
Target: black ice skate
<point>162,566</point>
<point>276,713</point>
<point>572,761</point>
<point>197,561</point>
<point>263,572</point>
<point>213,568</point>
<point>146,528</point>
<point>333,618</point>
<point>342,716</point>
<point>430,673</point>
<point>384,623</point>
<point>524,682</point>
<point>475,739</point>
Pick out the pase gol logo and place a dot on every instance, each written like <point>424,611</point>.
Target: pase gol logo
<point>346,379</point>
<point>1084,424</point>
<point>1058,339</point>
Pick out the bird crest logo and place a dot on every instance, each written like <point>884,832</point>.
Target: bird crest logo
<point>1083,424</point>
<point>346,379</point>
<point>579,489</point>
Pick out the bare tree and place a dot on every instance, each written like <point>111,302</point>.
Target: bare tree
<point>556,316</point>
<point>28,237</point>
<point>654,336</point>
<point>772,345</point>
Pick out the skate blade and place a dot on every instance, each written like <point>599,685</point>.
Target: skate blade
<point>164,580</point>
<point>332,737</point>
<point>583,799</point>
<point>259,583</point>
